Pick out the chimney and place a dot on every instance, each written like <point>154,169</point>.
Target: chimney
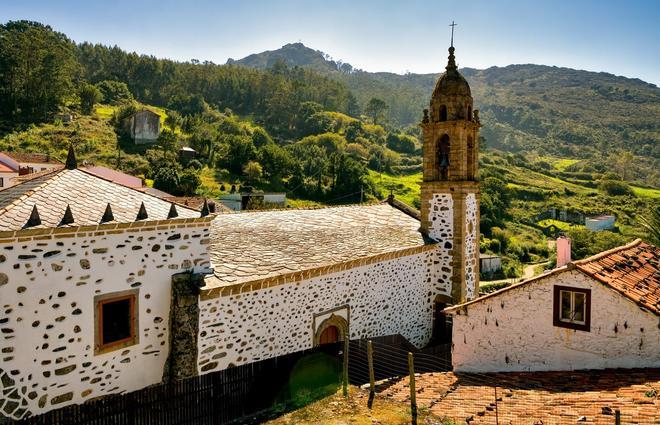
<point>563,251</point>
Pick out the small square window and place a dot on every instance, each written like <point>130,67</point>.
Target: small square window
<point>572,308</point>
<point>116,321</point>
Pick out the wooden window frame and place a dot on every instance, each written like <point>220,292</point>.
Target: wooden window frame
<point>99,302</point>
<point>556,308</point>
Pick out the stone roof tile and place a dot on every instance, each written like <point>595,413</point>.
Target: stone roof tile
<point>254,245</point>
<point>87,195</point>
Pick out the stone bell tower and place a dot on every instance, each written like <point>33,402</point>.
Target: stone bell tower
<point>450,189</point>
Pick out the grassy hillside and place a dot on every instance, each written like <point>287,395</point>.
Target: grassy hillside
<point>530,109</point>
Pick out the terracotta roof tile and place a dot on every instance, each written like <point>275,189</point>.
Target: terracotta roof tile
<point>633,270</point>
<point>259,244</point>
<point>38,158</point>
<point>589,397</point>
<point>86,194</point>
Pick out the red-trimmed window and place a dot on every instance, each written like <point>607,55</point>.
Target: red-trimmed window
<point>572,308</point>
<point>116,321</point>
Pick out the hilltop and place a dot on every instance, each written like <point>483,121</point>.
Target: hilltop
<point>529,109</point>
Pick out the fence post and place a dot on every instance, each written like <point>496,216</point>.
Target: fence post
<point>345,372</point>
<point>617,417</point>
<point>413,393</point>
<point>497,418</point>
<point>370,359</point>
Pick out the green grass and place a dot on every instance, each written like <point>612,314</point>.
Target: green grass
<point>559,224</point>
<point>404,187</point>
<point>646,192</point>
<point>105,111</point>
<point>560,164</point>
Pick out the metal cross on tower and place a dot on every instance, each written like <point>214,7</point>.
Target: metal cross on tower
<point>452,25</point>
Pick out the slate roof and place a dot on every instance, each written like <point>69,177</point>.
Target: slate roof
<point>38,158</point>
<point>633,270</point>
<point>255,245</point>
<point>86,194</point>
<point>583,397</point>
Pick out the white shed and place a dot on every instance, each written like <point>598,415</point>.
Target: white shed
<point>601,312</point>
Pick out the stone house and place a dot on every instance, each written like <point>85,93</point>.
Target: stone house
<point>143,126</point>
<point>106,289</point>
<point>597,313</point>
<point>16,164</point>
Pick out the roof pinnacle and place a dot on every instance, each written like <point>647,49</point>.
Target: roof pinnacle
<point>71,162</point>
<point>142,213</point>
<point>205,208</point>
<point>34,219</point>
<point>173,213</point>
<point>107,214</point>
<point>68,216</point>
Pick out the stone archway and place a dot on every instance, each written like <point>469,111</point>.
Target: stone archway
<point>331,330</point>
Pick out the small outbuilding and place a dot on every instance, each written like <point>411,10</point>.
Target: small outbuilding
<point>601,312</point>
<point>601,222</point>
<point>489,263</point>
<point>143,126</point>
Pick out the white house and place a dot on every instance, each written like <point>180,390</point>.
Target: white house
<point>601,312</point>
<point>15,164</point>
<point>601,222</point>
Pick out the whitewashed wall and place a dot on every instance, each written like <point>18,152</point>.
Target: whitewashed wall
<point>386,298</point>
<point>47,290</point>
<point>514,332</point>
<point>471,246</point>
<point>441,228</point>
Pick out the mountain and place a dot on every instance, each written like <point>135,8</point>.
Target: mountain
<point>539,109</point>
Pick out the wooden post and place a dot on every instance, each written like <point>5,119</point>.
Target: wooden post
<point>370,359</point>
<point>617,417</point>
<point>345,377</point>
<point>497,418</point>
<point>413,393</point>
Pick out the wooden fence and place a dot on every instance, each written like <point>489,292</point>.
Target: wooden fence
<point>223,397</point>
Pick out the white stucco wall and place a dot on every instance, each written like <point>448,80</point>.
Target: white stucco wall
<point>471,246</point>
<point>514,331</point>
<point>441,228</point>
<point>47,290</point>
<point>385,298</point>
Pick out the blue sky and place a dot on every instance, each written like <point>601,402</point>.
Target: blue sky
<point>616,36</point>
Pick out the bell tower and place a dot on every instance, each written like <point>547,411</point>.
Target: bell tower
<point>450,188</point>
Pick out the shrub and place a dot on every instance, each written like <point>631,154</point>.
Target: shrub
<point>616,188</point>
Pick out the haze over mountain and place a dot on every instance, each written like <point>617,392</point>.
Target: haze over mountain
<point>558,111</point>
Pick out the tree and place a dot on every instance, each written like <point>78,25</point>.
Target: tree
<point>240,151</point>
<point>651,222</point>
<point>89,96</point>
<point>167,180</point>
<point>253,172</point>
<point>376,109</point>
<point>189,181</point>
<point>616,188</point>
<point>115,92</point>
<point>173,120</point>
<point>37,71</point>
<point>276,162</point>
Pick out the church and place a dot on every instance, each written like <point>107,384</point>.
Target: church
<point>105,289</point>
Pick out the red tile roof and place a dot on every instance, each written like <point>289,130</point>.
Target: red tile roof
<point>589,397</point>
<point>631,269</point>
<point>38,158</point>
<point>6,169</point>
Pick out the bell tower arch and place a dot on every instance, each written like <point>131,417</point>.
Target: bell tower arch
<point>450,188</point>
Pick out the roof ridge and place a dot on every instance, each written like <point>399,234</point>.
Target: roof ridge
<point>607,253</point>
<point>127,187</point>
<point>56,175</point>
<point>316,207</point>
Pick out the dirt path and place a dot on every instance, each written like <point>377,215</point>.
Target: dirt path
<point>528,273</point>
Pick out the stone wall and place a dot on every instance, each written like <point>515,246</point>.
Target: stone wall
<point>384,298</point>
<point>471,246</point>
<point>514,331</point>
<point>48,281</point>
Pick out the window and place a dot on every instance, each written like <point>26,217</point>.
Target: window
<point>2,182</point>
<point>443,113</point>
<point>572,308</point>
<point>116,321</point>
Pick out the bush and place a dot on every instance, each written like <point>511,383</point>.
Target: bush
<point>616,188</point>
<point>115,92</point>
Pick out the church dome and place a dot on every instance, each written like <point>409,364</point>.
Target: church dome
<point>452,98</point>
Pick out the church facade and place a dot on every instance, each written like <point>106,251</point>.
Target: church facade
<point>105,289</point>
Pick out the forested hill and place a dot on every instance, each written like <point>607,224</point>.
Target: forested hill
<point>524,108</point>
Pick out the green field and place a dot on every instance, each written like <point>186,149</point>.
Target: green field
<point>561,225</point>
<point>404,187</point>
<point>646,192</point>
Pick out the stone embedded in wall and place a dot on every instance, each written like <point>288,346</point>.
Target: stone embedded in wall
<point>385,298</point>
<point>471,246</point>
<point>441,228</point>
<point>47,316</point>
